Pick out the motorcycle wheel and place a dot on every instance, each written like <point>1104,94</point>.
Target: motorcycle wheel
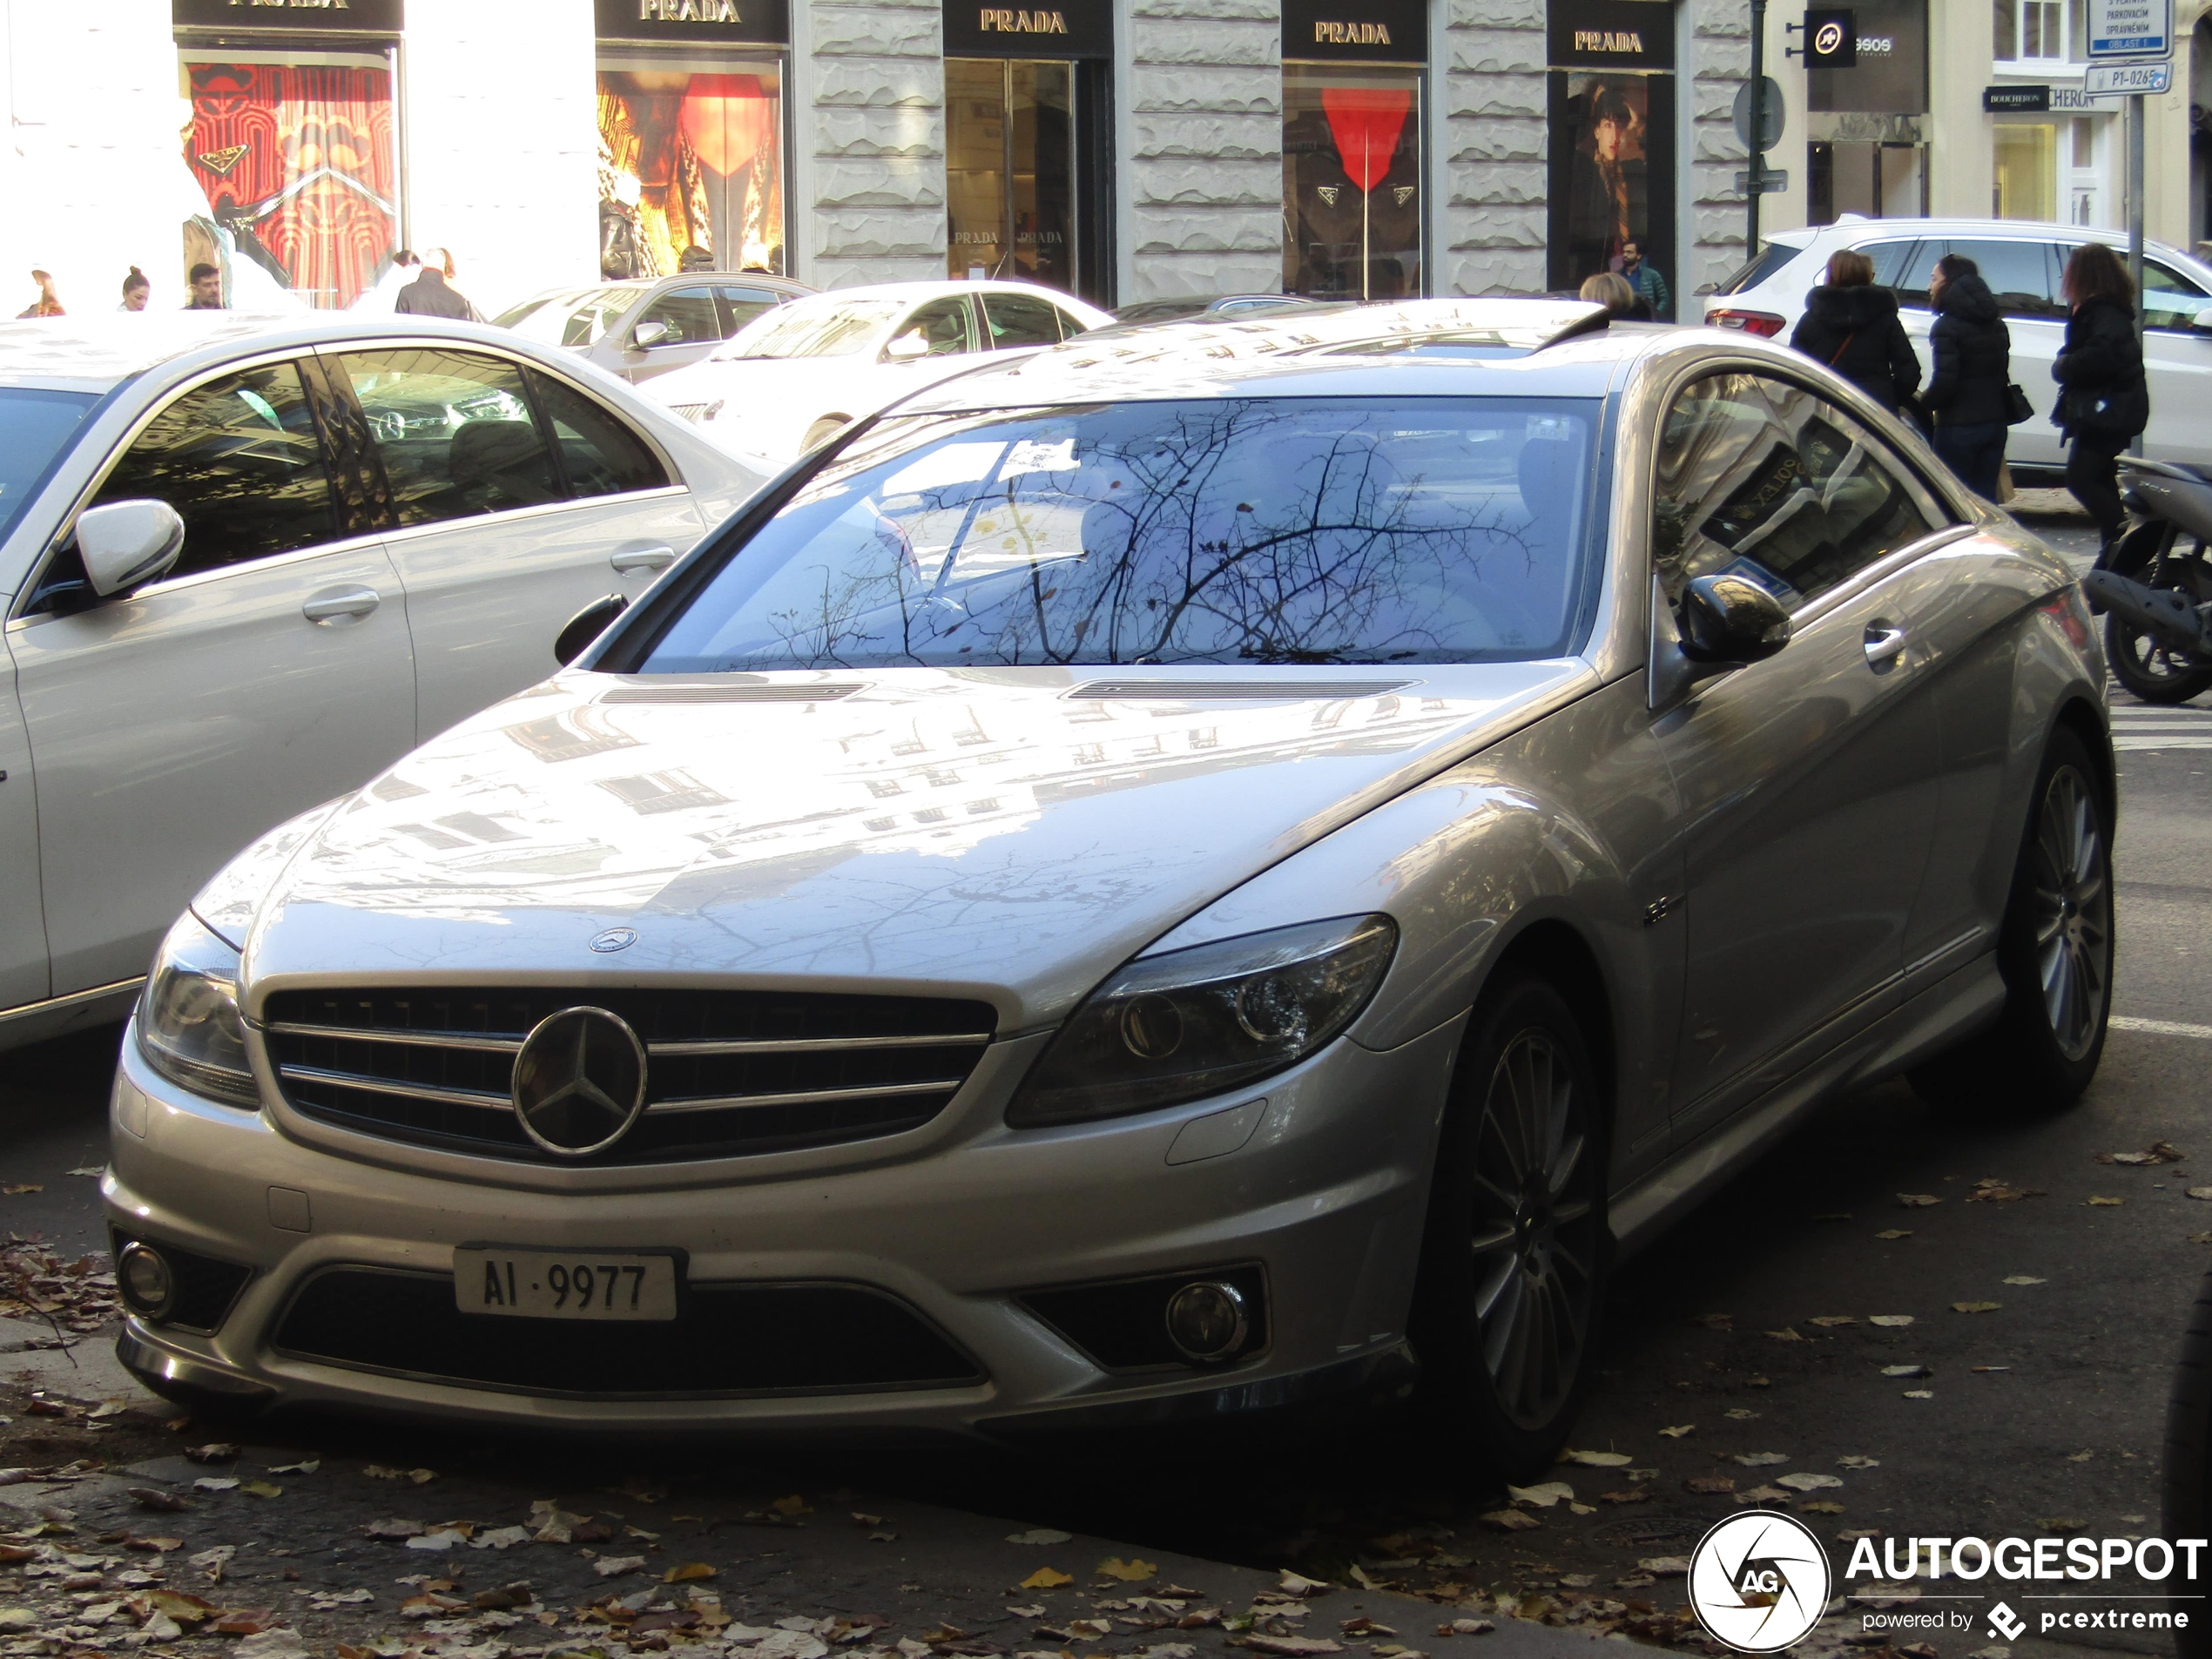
<point>2156,672</point>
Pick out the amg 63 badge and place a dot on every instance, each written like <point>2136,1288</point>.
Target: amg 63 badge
<point>1760,1582</point>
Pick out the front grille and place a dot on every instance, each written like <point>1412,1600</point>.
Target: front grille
<point>728,1072</point>
<point>730,1339</point>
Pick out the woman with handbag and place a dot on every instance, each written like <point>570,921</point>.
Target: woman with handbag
<point>2103,399</point>
<point>1852,326</point>
<point>1968,396</point>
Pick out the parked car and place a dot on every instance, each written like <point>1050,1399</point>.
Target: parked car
<point>1226,307</point>
<point>799,374</point>
<point>646,327</point>
<point>2022,262</point>
<point>248,563</point>
<point>1145,886</point>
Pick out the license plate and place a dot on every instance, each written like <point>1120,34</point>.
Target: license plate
<point>565,1284</point>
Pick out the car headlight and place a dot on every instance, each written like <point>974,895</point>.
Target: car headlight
<point>189,1027</point>
<point>1191,1023</point>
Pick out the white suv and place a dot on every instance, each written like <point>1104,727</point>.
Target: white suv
<point>2021,261</point>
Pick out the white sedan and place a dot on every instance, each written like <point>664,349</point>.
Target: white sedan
<point>797,374</point>
<point>249,562</point>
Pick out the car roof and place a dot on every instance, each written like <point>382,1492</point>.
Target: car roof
<point>1458,347</point>
<point>1855,227</point>
<point>928,289</point>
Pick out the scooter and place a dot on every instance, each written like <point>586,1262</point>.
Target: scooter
<point>2155,598</point>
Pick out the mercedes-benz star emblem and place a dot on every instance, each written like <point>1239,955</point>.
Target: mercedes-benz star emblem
<point>579,1081</point>
<point>614,938</point>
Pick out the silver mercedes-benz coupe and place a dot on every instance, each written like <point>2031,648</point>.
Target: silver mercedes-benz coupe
<point>1201,868</point>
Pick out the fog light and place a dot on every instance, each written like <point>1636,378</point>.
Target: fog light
<point>1206,1320</point>
<point>145,1279</point>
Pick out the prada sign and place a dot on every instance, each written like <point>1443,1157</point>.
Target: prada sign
<point>291,17</point>
<point>744,22</point>
<point>1611,34</point>
<point>1070,29</point>
<point>1369,31</point>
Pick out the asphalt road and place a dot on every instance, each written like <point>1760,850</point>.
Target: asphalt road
<point>1744,1335</point>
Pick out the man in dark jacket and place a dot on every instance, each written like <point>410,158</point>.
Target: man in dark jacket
<point>429,295</point>
<point>2104,401</point>
<point>1966,394</point>
<point>1852,326</point>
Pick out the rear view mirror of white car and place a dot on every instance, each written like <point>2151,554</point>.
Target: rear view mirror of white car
<point>125,544</point>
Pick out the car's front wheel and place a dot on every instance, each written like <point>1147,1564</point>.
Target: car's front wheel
<point>1512,1280</point>
<point>2055,953</point>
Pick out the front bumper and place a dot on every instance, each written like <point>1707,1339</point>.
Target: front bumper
<point>1328,1195</point>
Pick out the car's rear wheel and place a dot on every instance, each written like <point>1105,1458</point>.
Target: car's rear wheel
<point>824,429</point>
<point>1511,1286</point>
<point>2055,953</point>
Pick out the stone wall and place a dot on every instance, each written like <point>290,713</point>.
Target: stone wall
<point>1202,148</point>
<point>1490,148</point>
<point>869,200</point>
<point>1716,61</point>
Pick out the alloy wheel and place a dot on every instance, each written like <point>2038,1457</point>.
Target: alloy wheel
<point>1534,1240</point>
<point>2072,911</point>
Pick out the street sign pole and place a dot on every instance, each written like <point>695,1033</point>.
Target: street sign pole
<point>1758,129</point>
<point>2135,220</point>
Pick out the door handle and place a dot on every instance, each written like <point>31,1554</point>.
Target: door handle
<point>331,604</point>
<point>642,558</point>
<point>1885,642</point>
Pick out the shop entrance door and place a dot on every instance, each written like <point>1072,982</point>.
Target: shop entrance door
<point>1013,172</point>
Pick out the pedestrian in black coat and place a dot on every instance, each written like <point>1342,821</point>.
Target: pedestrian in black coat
<point>1966,395</point>
<point>2104,401</point>
<point>1852,326</point>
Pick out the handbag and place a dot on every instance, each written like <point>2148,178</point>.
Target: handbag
<point>2017,408</point>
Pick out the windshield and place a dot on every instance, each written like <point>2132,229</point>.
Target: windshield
<point>1247,530</point>
<point>577,318</point>
<point>35,427</point>
<point>802,330</point>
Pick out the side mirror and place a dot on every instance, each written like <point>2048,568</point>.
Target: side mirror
<point>586,625</point>
<point>648,335</point>
<point>906,347</point>
<point>1731,619</point>
<point>126,545</point>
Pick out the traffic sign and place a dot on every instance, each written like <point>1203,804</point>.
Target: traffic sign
<point>1772,181</point>
<point>1770,114</point>
<point>2130,28</point>
<point>2147,78</point>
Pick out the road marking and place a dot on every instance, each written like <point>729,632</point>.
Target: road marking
<point>2158,1028</point>
<point>2162,742</point>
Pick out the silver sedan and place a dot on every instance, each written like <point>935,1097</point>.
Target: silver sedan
<point>1203,867</point>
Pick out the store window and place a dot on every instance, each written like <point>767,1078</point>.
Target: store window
<point>1027,145</point>
<point>1866,149</point>
<point>293,144</point>
<point>1353,201</point>
<point>691,139</point>
<point>1612,100</point>
<point>2026,167</point>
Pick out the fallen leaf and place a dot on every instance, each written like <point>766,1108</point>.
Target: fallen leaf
<point>1760,1460</point>
<point>1595,1459</point>
<point>1917,1200</point>
<point>16,1189</point>
<point>2079,1457</point>
<point>1809,1482</point>
<point>2025,1278</point>
<point>1039,1536</point>
<point>1634,1494</point>
<point>1757,1382</point>
<point>686,1573</point>
<point>1994,1190</point>
<point>1827,1319</point>
<point>1665,1566</point>
<point>1292,1645</point>
<point>271,1644</point>
<point>213,1451</point>
<point>2095,1201</point>
<point>615,1566</point>
<point>2198,1239</point>
<point>393,1527</point>
<point>262,1489</point>
<point>794,1504</point>
<point>1906,1371</point>
<point>1679,1430</point>
<point>1511,1521</point>
<point>1129,1571</point>
<point>214,1483</point>
<point>2156,1152</point>
<point>93,1170</point>
<point>1543,1496</point>
<point>1822,1507</point>
<point>1919,1393</point>
<point>1789,1333</point>
<point>1739,1414</point>
<point>1978,1370</point>
<point>2058,1523</point>
<point>308,1468</point>
<point>1709,1484</point>
<point>1466,1627</point>
<point>1763,1494</point>
<point>1891,1233</point>
<point>155,1498</point>
<point>1975,1307</point>
<point>501,1538</point>
<point>1859,1463</point>
<point>1047,1578</point>
<point>2200,1192</point>
<point>1893,1321</point>
<point>858,1519</point>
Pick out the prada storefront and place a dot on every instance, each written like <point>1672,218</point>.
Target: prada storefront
<point>1028,144</point>
<point>692,135</point>
<point>1352,184</point>
<point>293,146</point>
<point>1612,121</point>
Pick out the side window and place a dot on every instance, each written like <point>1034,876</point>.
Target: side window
<point>1890,261</point>
<point>1910,271</point>
<point>741,306</point>
<point>2171,301</point>
<point>1020,319</point>
<point>601,455</point>
<point>943,327</point>
<point>454,431</point>
<point>689,315</point>
<point>1759,477</point>
<point>2023,276</point>
<point>588,324</point>
<point>240,461</point>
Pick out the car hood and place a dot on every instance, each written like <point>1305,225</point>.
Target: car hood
<point>1012,834</point>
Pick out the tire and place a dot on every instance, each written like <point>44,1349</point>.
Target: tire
<point>2150,671</point>
<point>823,430</point>
<point>1511,1291</point>
<point>2055,952</point>
<point>2186,1483</point>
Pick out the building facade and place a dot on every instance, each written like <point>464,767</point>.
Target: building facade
<point>1124,150</point>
